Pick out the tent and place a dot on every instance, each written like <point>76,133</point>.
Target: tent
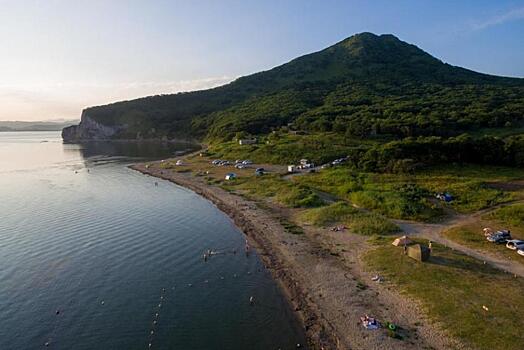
<point>401,241</point>
<point>419,252</point>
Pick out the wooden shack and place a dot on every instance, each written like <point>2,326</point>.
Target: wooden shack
<point>419,252</point>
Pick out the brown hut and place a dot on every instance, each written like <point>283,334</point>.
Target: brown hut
<point>419,252</point>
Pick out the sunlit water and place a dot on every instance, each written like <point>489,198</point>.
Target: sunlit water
<point>83,235</point>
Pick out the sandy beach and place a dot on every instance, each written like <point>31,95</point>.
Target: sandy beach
<point>322,275</point>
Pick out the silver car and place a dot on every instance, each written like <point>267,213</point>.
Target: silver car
<point>515,244</point>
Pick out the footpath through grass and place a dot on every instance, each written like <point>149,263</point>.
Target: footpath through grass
<point>453,288</point>
<point>508,218</point>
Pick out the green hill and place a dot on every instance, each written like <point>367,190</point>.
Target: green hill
<point>364,87</point>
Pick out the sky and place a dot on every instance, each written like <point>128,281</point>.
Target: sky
<point>60,56</point>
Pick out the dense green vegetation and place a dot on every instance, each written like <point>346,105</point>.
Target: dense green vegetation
<point>272,186</point>
<point>358,221</point>
<point>453,289</point>
<point>403,106</point>
<point>411,196</point>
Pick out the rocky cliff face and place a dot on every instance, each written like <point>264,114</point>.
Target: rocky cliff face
<point>89,129</point>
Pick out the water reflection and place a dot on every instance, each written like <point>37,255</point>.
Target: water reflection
<point>149,150</point>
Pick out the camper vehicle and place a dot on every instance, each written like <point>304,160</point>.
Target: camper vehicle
<point>515,244</point>
<point>520,251</point>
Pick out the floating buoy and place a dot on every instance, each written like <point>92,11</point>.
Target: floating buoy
<point>152,332</point>
<point>251,300</point>
<point>102,302</point>
<point>57,312</point>
<point>46,343</point>
<point>160,305</point>
<point>189,285</point>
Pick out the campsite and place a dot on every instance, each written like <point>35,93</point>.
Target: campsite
<point>397,236</point>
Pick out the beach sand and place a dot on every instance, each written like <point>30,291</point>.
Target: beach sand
<point>328,287</point>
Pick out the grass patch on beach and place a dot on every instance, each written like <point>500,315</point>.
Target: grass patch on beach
<point>412,196</point>
<point>472,236</point>
<point>394,196</point>
<point>508,218</point>
<point>512,215</point>
<point>452,288</point>
<point>274,187</point>
<point>357,220</point>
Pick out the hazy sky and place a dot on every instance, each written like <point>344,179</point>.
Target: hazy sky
<point>58,57</point>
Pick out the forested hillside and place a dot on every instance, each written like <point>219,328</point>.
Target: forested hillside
<point>364,87</point>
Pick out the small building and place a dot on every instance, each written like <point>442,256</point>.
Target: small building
<point>231,176</point>
<point>419,252</point>
<point>291,168</point>
<point>247,141</point>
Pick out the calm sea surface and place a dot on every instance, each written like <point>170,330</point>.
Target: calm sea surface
<point>93,255</point>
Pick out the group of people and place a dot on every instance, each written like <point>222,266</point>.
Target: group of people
<point>369,322</point>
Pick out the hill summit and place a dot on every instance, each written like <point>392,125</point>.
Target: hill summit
<point>364,85</point>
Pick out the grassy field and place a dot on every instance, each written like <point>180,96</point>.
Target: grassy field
<point>453,288</point>
<point>273,187</point>
<point>512,215</point>
<point>471,235</point>
<point>283,148</point>
<point>358,221</point>
<point>411,196</point>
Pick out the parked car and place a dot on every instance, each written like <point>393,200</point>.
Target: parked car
<point>259,170</point>
<point>216,162</point>
<point>231,176</point>
<point>499,237</point>
<point>520,252</point>
<point>515,244</point>
<point>240,166</point>
<point>247,162</point>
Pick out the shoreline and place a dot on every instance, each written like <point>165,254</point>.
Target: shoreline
<point>326,285</point>
<point>319,332</point>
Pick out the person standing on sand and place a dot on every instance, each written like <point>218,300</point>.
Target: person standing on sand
<point>430,244</point>
<point>405,248</point>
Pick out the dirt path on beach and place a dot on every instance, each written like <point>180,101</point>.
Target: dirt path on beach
<point>321,274</point>
<point>434,232</point>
